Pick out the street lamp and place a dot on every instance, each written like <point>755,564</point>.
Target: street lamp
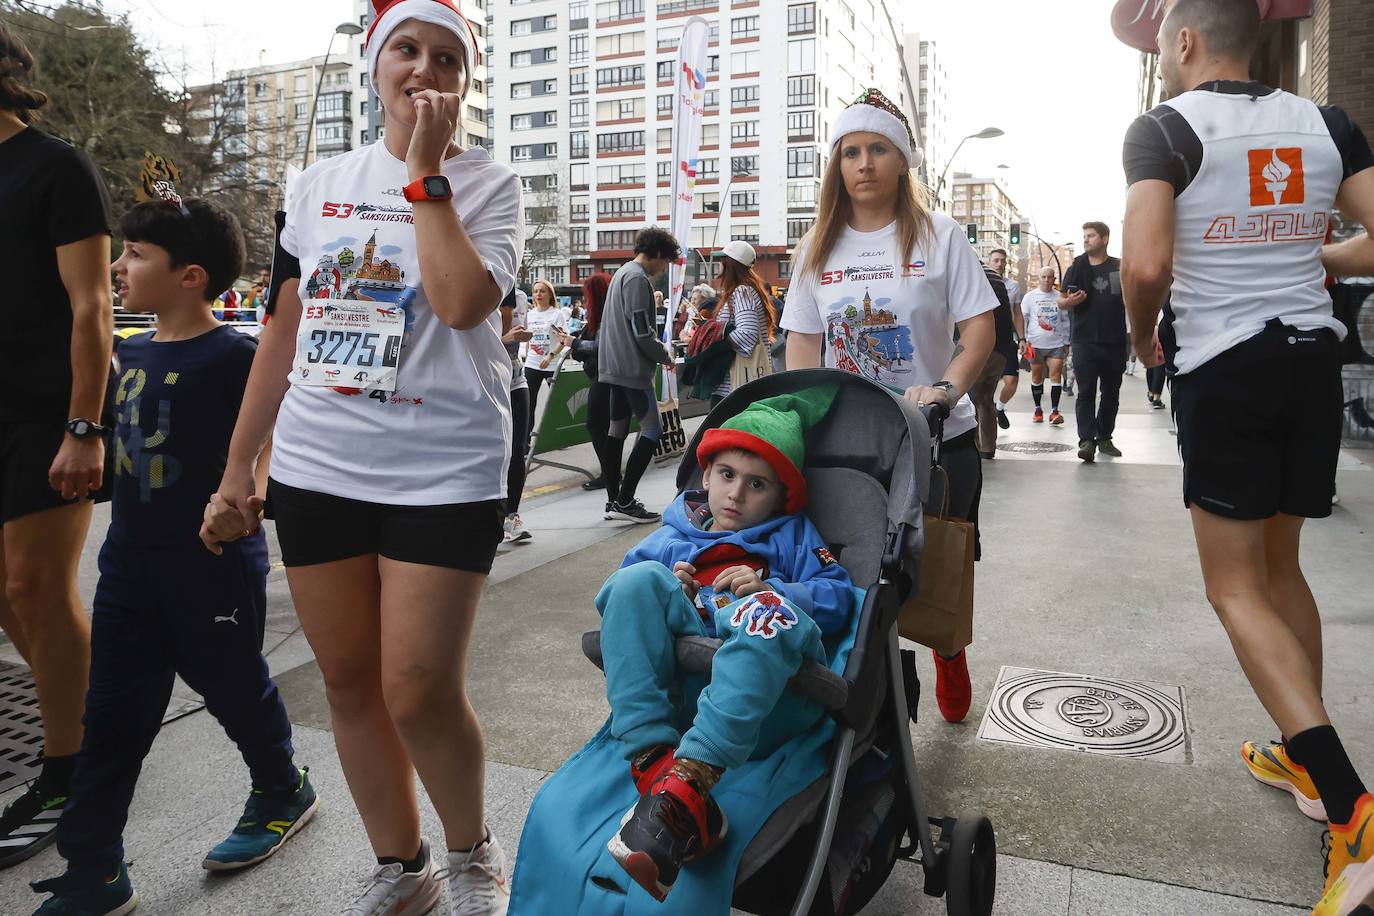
<point>343,28</point>
<point>987,133</point>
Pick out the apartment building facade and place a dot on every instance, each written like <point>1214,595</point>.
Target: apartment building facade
<point>984,202</point>
<point>581,99</point>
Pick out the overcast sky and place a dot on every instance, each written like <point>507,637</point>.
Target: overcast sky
<point>1048,72</point>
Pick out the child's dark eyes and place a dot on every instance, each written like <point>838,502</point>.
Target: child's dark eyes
<point>758,485</point>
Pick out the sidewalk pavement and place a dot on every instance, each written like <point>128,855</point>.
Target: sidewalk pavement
<point>1087,569</point>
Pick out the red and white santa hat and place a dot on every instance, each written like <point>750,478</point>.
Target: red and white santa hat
<point>387,14</point>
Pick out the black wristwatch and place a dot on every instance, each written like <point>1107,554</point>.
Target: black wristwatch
<point>82,428</point>
<point>948,388</point>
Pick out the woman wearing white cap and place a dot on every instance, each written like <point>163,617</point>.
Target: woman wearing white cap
<point>889,284</point>
<point>749,308</point>
<point>389,391</point>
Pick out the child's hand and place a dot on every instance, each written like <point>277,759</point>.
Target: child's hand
<point>686,574</point>
<point>224,523</point>
<point>740,581</point>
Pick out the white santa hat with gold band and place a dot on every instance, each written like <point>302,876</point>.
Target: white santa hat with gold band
<point>874,113</point>
<point>387,14</point>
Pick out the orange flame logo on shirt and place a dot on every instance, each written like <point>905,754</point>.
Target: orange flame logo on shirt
<point>1276,177</point>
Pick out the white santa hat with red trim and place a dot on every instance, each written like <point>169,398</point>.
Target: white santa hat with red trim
<point>387,14</point>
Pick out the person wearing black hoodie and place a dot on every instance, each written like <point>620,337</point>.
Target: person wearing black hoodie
<point>1092,291</point>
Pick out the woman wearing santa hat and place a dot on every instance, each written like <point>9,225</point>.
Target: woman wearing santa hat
<point>387,493</point>
<point>889,283</point>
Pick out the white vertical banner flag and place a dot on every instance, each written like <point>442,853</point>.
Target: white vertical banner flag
<point>688,109</point>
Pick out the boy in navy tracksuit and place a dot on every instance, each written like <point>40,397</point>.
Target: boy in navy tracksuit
<point>165,605</point>
<point>736,560</point>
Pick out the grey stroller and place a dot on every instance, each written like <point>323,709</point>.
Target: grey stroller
<point>868,473</point>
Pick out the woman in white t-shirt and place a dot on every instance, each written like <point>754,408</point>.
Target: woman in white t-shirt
<point>886,285</point>
<point>548,326</point>
<point>390,395</point>
<point>1047,339</point>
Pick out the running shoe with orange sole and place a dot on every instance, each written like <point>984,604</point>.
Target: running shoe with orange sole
<point>1272,766</point>
<point>1349,849</point>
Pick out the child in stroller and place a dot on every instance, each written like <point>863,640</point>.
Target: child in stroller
<point>737,560</point>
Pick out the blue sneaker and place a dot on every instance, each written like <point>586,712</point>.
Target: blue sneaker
<point>268,821</point>
<point>73,895</point>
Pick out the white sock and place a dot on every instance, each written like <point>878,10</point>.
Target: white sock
<point>1001,405</point>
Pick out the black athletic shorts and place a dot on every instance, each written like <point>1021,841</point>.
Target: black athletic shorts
<point>27,450</point>
<point>1259,426</point>
<point>319,528</point>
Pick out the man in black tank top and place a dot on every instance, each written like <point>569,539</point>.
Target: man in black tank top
<point>1231,187</point>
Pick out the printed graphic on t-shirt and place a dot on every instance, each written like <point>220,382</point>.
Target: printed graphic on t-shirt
<point>134,450</point>
<point>1276,176</point>
<point>1047,316</point>
<point>866,339</point>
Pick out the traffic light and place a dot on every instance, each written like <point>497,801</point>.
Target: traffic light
<point>1015,234</point>
<point>973,233</point>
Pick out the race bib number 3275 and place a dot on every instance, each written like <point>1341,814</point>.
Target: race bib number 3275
<point>348,343</point>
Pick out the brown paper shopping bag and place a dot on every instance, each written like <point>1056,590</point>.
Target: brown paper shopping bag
<point>940,613</point>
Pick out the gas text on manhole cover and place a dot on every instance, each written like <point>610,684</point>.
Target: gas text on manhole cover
<point>1080,712</point>
<point>1034,448</point>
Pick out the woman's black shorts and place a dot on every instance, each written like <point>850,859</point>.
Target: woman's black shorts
<point>319,528</point>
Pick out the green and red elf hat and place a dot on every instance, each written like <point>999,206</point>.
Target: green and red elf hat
<point>773,429</point>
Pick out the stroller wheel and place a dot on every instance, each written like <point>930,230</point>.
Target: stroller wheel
<point>971,877</point>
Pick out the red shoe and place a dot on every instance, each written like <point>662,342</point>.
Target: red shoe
<point>953,691</point>
<point>650,764</point>
<point>1056,418</point>
<point>1039,416</point>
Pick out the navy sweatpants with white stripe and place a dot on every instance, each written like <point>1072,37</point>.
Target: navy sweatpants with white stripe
<point>160,612</point>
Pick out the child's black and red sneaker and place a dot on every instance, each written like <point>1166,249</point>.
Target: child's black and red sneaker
<point>672,824</point>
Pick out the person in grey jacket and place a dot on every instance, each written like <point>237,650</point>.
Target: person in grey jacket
<point>630,353</point>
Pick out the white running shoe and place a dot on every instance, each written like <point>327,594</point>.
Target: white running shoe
<point>392,891</point>
<point>516,530</point>
<point>478,881</point>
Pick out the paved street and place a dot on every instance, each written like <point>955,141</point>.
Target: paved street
<point>1088,570</point>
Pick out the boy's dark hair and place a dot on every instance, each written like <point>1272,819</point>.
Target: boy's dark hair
<point>657,243</point>
<point>211,238</point>
<point>1230,28</point>
<point>1100,228</point>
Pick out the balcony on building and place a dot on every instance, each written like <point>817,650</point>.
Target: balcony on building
<point>619,12</point>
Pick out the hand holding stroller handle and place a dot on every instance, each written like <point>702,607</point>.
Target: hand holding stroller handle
<point>935,415</point>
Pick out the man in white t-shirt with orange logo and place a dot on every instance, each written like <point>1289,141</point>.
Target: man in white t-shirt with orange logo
<point>1232,185</point>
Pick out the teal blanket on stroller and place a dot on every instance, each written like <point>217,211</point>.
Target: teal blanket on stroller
<point>563,867</point>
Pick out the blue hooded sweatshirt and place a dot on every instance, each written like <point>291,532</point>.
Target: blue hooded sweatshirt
<point>786,549</point>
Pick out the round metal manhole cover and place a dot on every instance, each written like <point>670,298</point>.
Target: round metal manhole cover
<point>1084,713</point>
<point>1034,448</point>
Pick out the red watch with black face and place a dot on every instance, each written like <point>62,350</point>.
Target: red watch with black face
<point>431,187</point>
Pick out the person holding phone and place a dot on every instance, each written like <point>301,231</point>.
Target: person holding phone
<point>1092,291</point>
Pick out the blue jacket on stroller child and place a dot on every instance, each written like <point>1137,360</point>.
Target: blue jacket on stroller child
<point>816,827</point>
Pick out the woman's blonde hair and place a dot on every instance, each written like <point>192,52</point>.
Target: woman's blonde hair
<point>553,296</point>
<point>832,216</point>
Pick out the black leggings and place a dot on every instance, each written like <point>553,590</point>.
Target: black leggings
<point>1154,380</point>
<point>535,378</point>
<point>520,413</point>
<point>598,427</point>
<point>625,402</point>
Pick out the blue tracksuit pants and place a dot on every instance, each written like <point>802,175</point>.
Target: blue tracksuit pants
<point>160,612</point>
<point>745,712</point>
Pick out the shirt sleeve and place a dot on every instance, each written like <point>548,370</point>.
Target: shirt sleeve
<point>745,311</point>
<point>968,293</point>
<point>76,204</point>
<point>803,310</point>
<point>816,583</point>
<point>497,231</point>
<point>1349,140</point>
<point>640,312</point>
<point>237,365</point>
<point>1162,145</point>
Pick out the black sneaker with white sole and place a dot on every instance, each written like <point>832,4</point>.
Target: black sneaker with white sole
<point>1002,419</point>
<point>633,511</point>
<point>29,824</point>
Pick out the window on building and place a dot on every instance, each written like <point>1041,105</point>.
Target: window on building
<point>521,121</point>
<point>712,100</point>
<point>801,90</point>
<point>744,97</point>
<point>577,113</point>
<point>744,132</point>
<point>578,81</point>
<point>744,27</point>
<point>745,61</point>
<point>577,174</point>
<point>665,104</point>
<point>577,239</point>
<point>801,20</point>
<point>620,207</point>
<point>744,165</point>
<point>801,162</point>
<point>616,240</point>
<point>801,125</point>
<point>746,232</point>
<point>579,144</point>
<point>665,171</point>
<point>797,228</point>
<point>622,43</point>
<point>620,141</point>
<point>802,194</point>
<point>744,200</point>
<point>520,58</point>
<point>363,138</point>
<point>665,70</point>
<point>707,202</point>
<point>620,174</point>
<point>521,153</point>
<point>520,27</point>
<point>577,49</point>
<point>801,55</point>
<point>708,169</point>
<point>607,77</point>
<point>664,137</point>
<point>578,209</point>
<point>301,110</point>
